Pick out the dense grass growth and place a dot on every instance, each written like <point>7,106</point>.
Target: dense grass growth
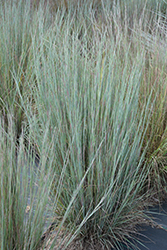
<point>27,201</point>
<point>24,194</point>
<point>85,84</point>
<point>14,45</point>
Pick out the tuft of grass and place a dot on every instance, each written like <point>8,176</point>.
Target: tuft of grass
<point>90,103</point>
<point>92,92</point>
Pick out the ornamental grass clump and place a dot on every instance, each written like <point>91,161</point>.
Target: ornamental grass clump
<point>90,103</point>
<point>91,90</point>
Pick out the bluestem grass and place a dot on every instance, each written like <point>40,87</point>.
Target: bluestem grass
<point>93,113</point>
<point>90,102</point>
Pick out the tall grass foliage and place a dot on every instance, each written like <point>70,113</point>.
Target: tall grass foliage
<point>90,100</point>
<point>89,88</point>
<point>24,194</point>
<point>17,24</point>
<point>27,202</point>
